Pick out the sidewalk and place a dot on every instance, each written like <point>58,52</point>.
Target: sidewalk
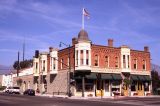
<point>78,97</point>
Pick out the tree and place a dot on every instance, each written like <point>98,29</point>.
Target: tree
<point>155,80</point>
<point>23,64</point>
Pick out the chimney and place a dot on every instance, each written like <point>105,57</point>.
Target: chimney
<point>110,42</point>
<point>36,53</point>
<point>50,49</point>
<point>146,49</point>
<point>74,41</point>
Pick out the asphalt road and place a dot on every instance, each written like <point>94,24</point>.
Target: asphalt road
<point>20,100</point>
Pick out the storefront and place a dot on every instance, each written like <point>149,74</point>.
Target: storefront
<point>140,85</point>
<point>98,84</point>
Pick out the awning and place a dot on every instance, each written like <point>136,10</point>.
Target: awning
<point>141,78</point>
<point>91,76</point>
<point>147,78</point>
<point>106,76</point>
<point>134,77</point>
<point>116,77</point>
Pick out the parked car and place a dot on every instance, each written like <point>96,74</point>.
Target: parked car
<point>7,90</point>
<point>30,92</point>
<point>12,90</point>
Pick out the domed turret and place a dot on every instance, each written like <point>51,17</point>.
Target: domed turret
<point>83,36</point>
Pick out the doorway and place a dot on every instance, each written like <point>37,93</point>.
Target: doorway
<point>99,88</point>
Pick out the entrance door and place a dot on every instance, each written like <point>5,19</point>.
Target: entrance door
<point>140,90</point>
<point>99,88</point>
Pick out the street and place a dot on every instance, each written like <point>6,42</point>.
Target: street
<point>20,100</point>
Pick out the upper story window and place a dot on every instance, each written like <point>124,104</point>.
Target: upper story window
<point>128,61</point>
<point>107,61</point>
<point>36,66</point>
<point>87,57</point>
<point>96,60</point>
<point>43,65</point>
<point>144,64</point>
<point>81,56</point>
<point>54,63</point>
<point>124,61</point>
<point>135,63</point>
<point>76,57</point>
<point>116,62</point>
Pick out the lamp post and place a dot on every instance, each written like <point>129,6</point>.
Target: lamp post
<point>69,68</point>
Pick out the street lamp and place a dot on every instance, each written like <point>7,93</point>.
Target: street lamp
<point>69,70</point>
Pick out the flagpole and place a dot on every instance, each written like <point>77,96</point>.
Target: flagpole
<point>83,18</point>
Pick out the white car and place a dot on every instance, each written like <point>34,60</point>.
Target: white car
<point>11,90</point>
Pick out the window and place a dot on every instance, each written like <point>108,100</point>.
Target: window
<point>96,60</point>
<point>124,61</point>
<point>89,85</point>
<point>133,86</point>
<point>77,57</point>
<point>107,85</point>
<point>81,57</point>
<point>107,61</point>
<point>54,63</point>
<point>135,63</point>
<point>128,61</point>
<point>144,65</point>
<point>43,65</point>
<point>116,62</point>
<point>146,86</point>
<point>87,57</point>
<point>36,67</point>
<point>116,86</point>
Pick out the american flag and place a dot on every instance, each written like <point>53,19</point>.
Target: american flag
<point>85,13</point>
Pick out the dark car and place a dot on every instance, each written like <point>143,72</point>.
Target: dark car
<point>30,92</point>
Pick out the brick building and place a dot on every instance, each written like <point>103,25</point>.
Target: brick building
<point>96,70</point>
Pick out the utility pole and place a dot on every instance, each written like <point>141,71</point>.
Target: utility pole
<point>18,66</point>
<point>23,49</point>
<point>69,69</point>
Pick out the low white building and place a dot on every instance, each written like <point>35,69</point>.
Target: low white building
<point>7,80</point>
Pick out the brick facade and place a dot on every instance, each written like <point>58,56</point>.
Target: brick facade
<point>96,59</point>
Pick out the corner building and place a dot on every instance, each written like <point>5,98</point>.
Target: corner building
<point>96,70</point>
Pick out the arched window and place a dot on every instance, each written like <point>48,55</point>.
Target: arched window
<point>106,61</point>
<point>116,62</point>
<point>96,60</point>
<point>135,63</point>
<point>144,64</point>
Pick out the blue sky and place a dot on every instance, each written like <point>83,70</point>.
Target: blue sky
<point>44,23</point>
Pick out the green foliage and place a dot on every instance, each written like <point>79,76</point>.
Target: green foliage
<point>127,81</point>
<point>155,80</point>
<point>19,82</point>
<point>23,64</point>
